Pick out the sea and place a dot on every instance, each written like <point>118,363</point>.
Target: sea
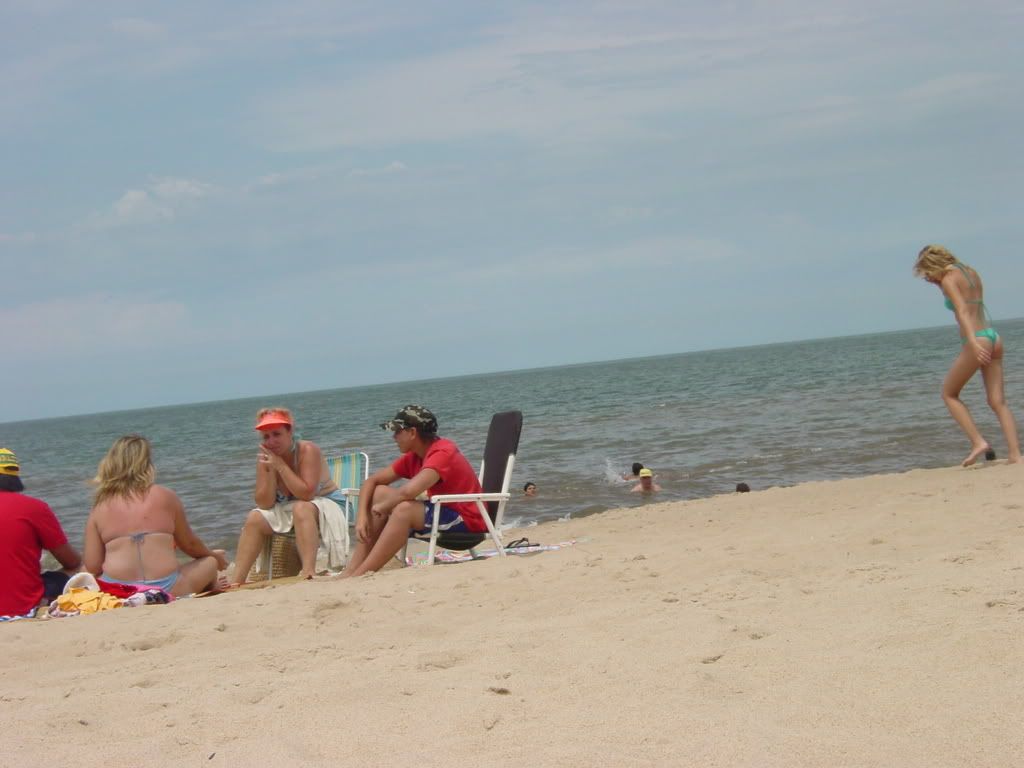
<point>773,415</point>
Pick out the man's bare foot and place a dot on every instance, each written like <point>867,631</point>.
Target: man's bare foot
<point>1018,460</point>
<point>976,451</point>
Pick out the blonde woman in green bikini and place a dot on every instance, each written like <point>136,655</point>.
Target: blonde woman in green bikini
<point>981,347</point>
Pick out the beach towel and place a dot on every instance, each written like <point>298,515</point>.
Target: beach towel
<point>79,600</point>
<point>447,556</point>
<point>333,530</point>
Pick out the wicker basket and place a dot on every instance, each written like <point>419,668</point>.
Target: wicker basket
<point>282,558</point>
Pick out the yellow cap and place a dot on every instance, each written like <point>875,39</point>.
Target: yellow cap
<point>646,473</point>
<point>8,463</point>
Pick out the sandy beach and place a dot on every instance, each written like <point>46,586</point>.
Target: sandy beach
<point>868,622</point>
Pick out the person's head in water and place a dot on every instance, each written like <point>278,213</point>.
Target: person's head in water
<point>530,489</point>
<point>646,484</point>
<point>637,466</point>
<point>742,488</point>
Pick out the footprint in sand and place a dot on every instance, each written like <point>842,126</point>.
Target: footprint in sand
<point>327,608</point>
<point>958,559</point>
<point>147,644</point>
<point>439,660</point>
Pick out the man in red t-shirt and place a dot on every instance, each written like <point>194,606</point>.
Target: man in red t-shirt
<point>27,527</point>
<point>431,465</point>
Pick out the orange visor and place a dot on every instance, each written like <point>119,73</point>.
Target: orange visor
<point>272,420</point>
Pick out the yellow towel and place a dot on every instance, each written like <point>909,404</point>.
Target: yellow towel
<point>87,601</point>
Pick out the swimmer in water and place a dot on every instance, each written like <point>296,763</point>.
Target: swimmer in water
<point>646,484</point>
<point>635,473</point>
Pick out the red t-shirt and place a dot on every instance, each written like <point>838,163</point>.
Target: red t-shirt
<point>27,527</point>
<point>457,476</point>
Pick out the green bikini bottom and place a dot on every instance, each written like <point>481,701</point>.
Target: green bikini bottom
<point>984,333</point>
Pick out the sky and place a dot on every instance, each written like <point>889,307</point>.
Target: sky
<point>204,201</point>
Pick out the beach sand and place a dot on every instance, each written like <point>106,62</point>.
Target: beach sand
<point>868,622</point>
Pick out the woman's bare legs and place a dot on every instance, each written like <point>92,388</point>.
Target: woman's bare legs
<point>959,374</point>
<point>306,519</point>
<point>197,576</point>
<point>250,542</point>
<point>993,376</point>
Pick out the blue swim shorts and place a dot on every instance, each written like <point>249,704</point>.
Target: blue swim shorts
<point>450,520</point>
<point>166,583</point>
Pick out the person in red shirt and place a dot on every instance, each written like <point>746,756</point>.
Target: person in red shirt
<point>27,527</point>
<point>430,464</point>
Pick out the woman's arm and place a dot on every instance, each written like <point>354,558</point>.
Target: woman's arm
<point>266,480</point>
<point>302,485</point>
<point>186,539</point>
<point>95,550</point>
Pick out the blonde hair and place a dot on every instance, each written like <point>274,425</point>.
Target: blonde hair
<point>126,470</point>
<point>933,261</point>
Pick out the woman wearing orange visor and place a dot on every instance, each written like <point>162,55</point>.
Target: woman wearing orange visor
<point>294,489</point>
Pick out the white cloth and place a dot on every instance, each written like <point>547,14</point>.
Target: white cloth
<point>334,537</point>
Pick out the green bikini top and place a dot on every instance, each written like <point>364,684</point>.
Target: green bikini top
<point>949,304</point>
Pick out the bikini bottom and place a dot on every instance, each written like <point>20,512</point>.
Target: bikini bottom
<point>985,333</point>
<point>165,583</point>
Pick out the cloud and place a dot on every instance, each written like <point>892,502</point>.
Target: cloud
<point>93,325</point>
<point>172,189</point>
<point>141,30</point>
<point>592,266</point>
<point>575,76</point>
<point>570,76</point>
<point>938,92</point>
<point>137,205</point>
<point>160,201</point>
<point>393,167</point>
<point>288,177</point>
<point>17,238</point>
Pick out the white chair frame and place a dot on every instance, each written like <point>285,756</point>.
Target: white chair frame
<point>493,527</point>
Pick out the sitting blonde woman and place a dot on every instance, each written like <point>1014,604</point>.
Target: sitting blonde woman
<point>294,490</point>
<point>135,525</point>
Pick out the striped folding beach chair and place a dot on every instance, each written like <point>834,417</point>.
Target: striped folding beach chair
<point>348,471</point>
